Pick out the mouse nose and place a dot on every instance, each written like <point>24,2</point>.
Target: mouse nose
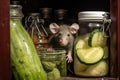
<point>63,42</point>
<point>60,40</point>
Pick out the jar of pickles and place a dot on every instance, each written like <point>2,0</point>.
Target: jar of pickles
<point>54,63</point>
<point>91,50</point>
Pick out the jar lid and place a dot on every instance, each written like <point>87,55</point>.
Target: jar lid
<point>15,2</point>
<point>35,14</point>
<point>92,15</point>
<point>60,11</point>
<point>46,12</point>
<point>16,11</point>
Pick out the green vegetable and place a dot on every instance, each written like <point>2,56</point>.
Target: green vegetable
<point>82,42</point>
<point>78,65</point>
<point>54,74</point>
<point>25,62</point>
<point>63,67</point>
<point>106,53</point>
<point>48,66</point>
<point>99,69</point>
<point>97,39</point>
<point>90,55</point>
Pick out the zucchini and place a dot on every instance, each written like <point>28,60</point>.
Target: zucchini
<point>90,55</point>
<point>25,62</point>
<point>97,39</point>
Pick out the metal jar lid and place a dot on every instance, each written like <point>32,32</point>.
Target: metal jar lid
<point>46,12</point>
<point>60,13</point>
<point>92,15</point>
<point>34,14</point>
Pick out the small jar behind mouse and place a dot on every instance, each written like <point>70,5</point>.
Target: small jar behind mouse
<point>46,15</point>
<point>35,27</point>
<point>61,15</point>
<point>91,49</point>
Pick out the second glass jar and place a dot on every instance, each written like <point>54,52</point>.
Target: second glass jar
<point>35,27</point>
<point>91,52</point>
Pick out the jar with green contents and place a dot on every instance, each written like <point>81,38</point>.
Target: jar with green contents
<point>91,49</point>
<point>54,63</point>
<point>25,63</point>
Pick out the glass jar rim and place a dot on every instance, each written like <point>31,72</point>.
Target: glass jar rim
<point>92,15</point>
<point>55,51</point>
<point>15,6</point>
<point>16,11</point>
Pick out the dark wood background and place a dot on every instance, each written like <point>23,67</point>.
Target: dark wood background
<point>4,41</point>
<point>73,6</point>
<point>118,32</point>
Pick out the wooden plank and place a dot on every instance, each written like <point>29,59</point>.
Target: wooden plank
<point>100,78</point>
<point>4,41</point>
<point>113,39</point>
<point>119,37</point>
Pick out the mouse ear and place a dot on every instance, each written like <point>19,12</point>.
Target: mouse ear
<point>74,28</point>
<point>54,28</point>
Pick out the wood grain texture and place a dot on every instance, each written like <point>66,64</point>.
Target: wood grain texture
<point>4,41</point>
<point>118,37</point>
<point>113,38</point>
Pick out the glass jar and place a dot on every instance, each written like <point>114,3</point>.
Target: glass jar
<point>46,15</point>
<point>36,30</point>
<point>91,57</point>
<point>60,16</point>
<point>54,63</point>
<point>25,63</point>
<point>15,16</point>
<point>15,11</point>
<point>15,2</point>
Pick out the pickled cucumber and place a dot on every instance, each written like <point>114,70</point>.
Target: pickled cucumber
<point>82,42</point>
<point>91,55</point>
<point>48,66</point>
<point>99,69</point>
<point>97,39</point>
<point>54,74</point>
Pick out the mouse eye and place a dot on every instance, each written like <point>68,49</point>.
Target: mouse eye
<point>59,34</point>
<point>68,35</point>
